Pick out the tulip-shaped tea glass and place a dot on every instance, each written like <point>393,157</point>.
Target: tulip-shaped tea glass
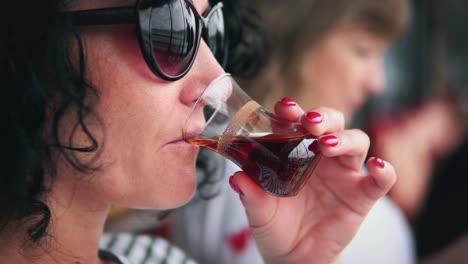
<point>275,153</point>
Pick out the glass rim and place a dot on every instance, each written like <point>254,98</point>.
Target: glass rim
<point>197,102</point>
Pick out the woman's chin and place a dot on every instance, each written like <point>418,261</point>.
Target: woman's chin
<point>180,195</point>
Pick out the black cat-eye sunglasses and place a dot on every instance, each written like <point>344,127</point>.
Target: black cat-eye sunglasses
<point>169,32</point>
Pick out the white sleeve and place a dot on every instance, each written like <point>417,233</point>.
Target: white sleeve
<point>385,237</point>
<point>217,230</point>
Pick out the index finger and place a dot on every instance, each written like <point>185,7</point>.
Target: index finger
<point>288,110</point>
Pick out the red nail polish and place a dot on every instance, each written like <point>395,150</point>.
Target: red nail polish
<point>314,117</point>
<point>379,162</point>
<point>234,186</point>
<point>330,140</point>
<point>288,101</point>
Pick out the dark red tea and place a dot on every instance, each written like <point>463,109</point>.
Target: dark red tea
<point>280,164</point>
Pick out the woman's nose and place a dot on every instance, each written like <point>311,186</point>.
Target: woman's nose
<point>204,70</point>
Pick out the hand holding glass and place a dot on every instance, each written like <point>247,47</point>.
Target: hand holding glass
<point>275,153</point>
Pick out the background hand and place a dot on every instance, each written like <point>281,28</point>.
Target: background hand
<point>414,141</point>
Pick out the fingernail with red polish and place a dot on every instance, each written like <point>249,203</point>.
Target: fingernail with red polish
<point>379,162</point>
<point>234,186</point>
<point>288,101</point>
<point>330,140</point>
<point>314,117</point>
<point>314,147</point>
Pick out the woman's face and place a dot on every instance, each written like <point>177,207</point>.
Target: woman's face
<point>343,69</point>
<point>146,164</point>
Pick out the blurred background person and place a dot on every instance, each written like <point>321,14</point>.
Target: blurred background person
<point>319,52</point>
<point>425,133</point>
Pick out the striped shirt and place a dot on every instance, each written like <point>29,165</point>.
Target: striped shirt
<point>130,248</point>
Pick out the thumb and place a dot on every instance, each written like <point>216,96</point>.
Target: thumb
<point>260,206</point>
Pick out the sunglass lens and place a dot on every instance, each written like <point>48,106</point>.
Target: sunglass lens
<point>173,36</point>
<point>214,35</point>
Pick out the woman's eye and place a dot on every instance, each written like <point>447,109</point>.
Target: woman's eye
<point>363,52</point>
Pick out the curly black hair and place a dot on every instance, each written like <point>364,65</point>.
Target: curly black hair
<point>36,68</point>
<point>246,29</point>
<point>41,83</point>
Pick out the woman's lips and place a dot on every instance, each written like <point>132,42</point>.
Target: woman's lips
<point>182,146</point>
<point>177,141</point>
